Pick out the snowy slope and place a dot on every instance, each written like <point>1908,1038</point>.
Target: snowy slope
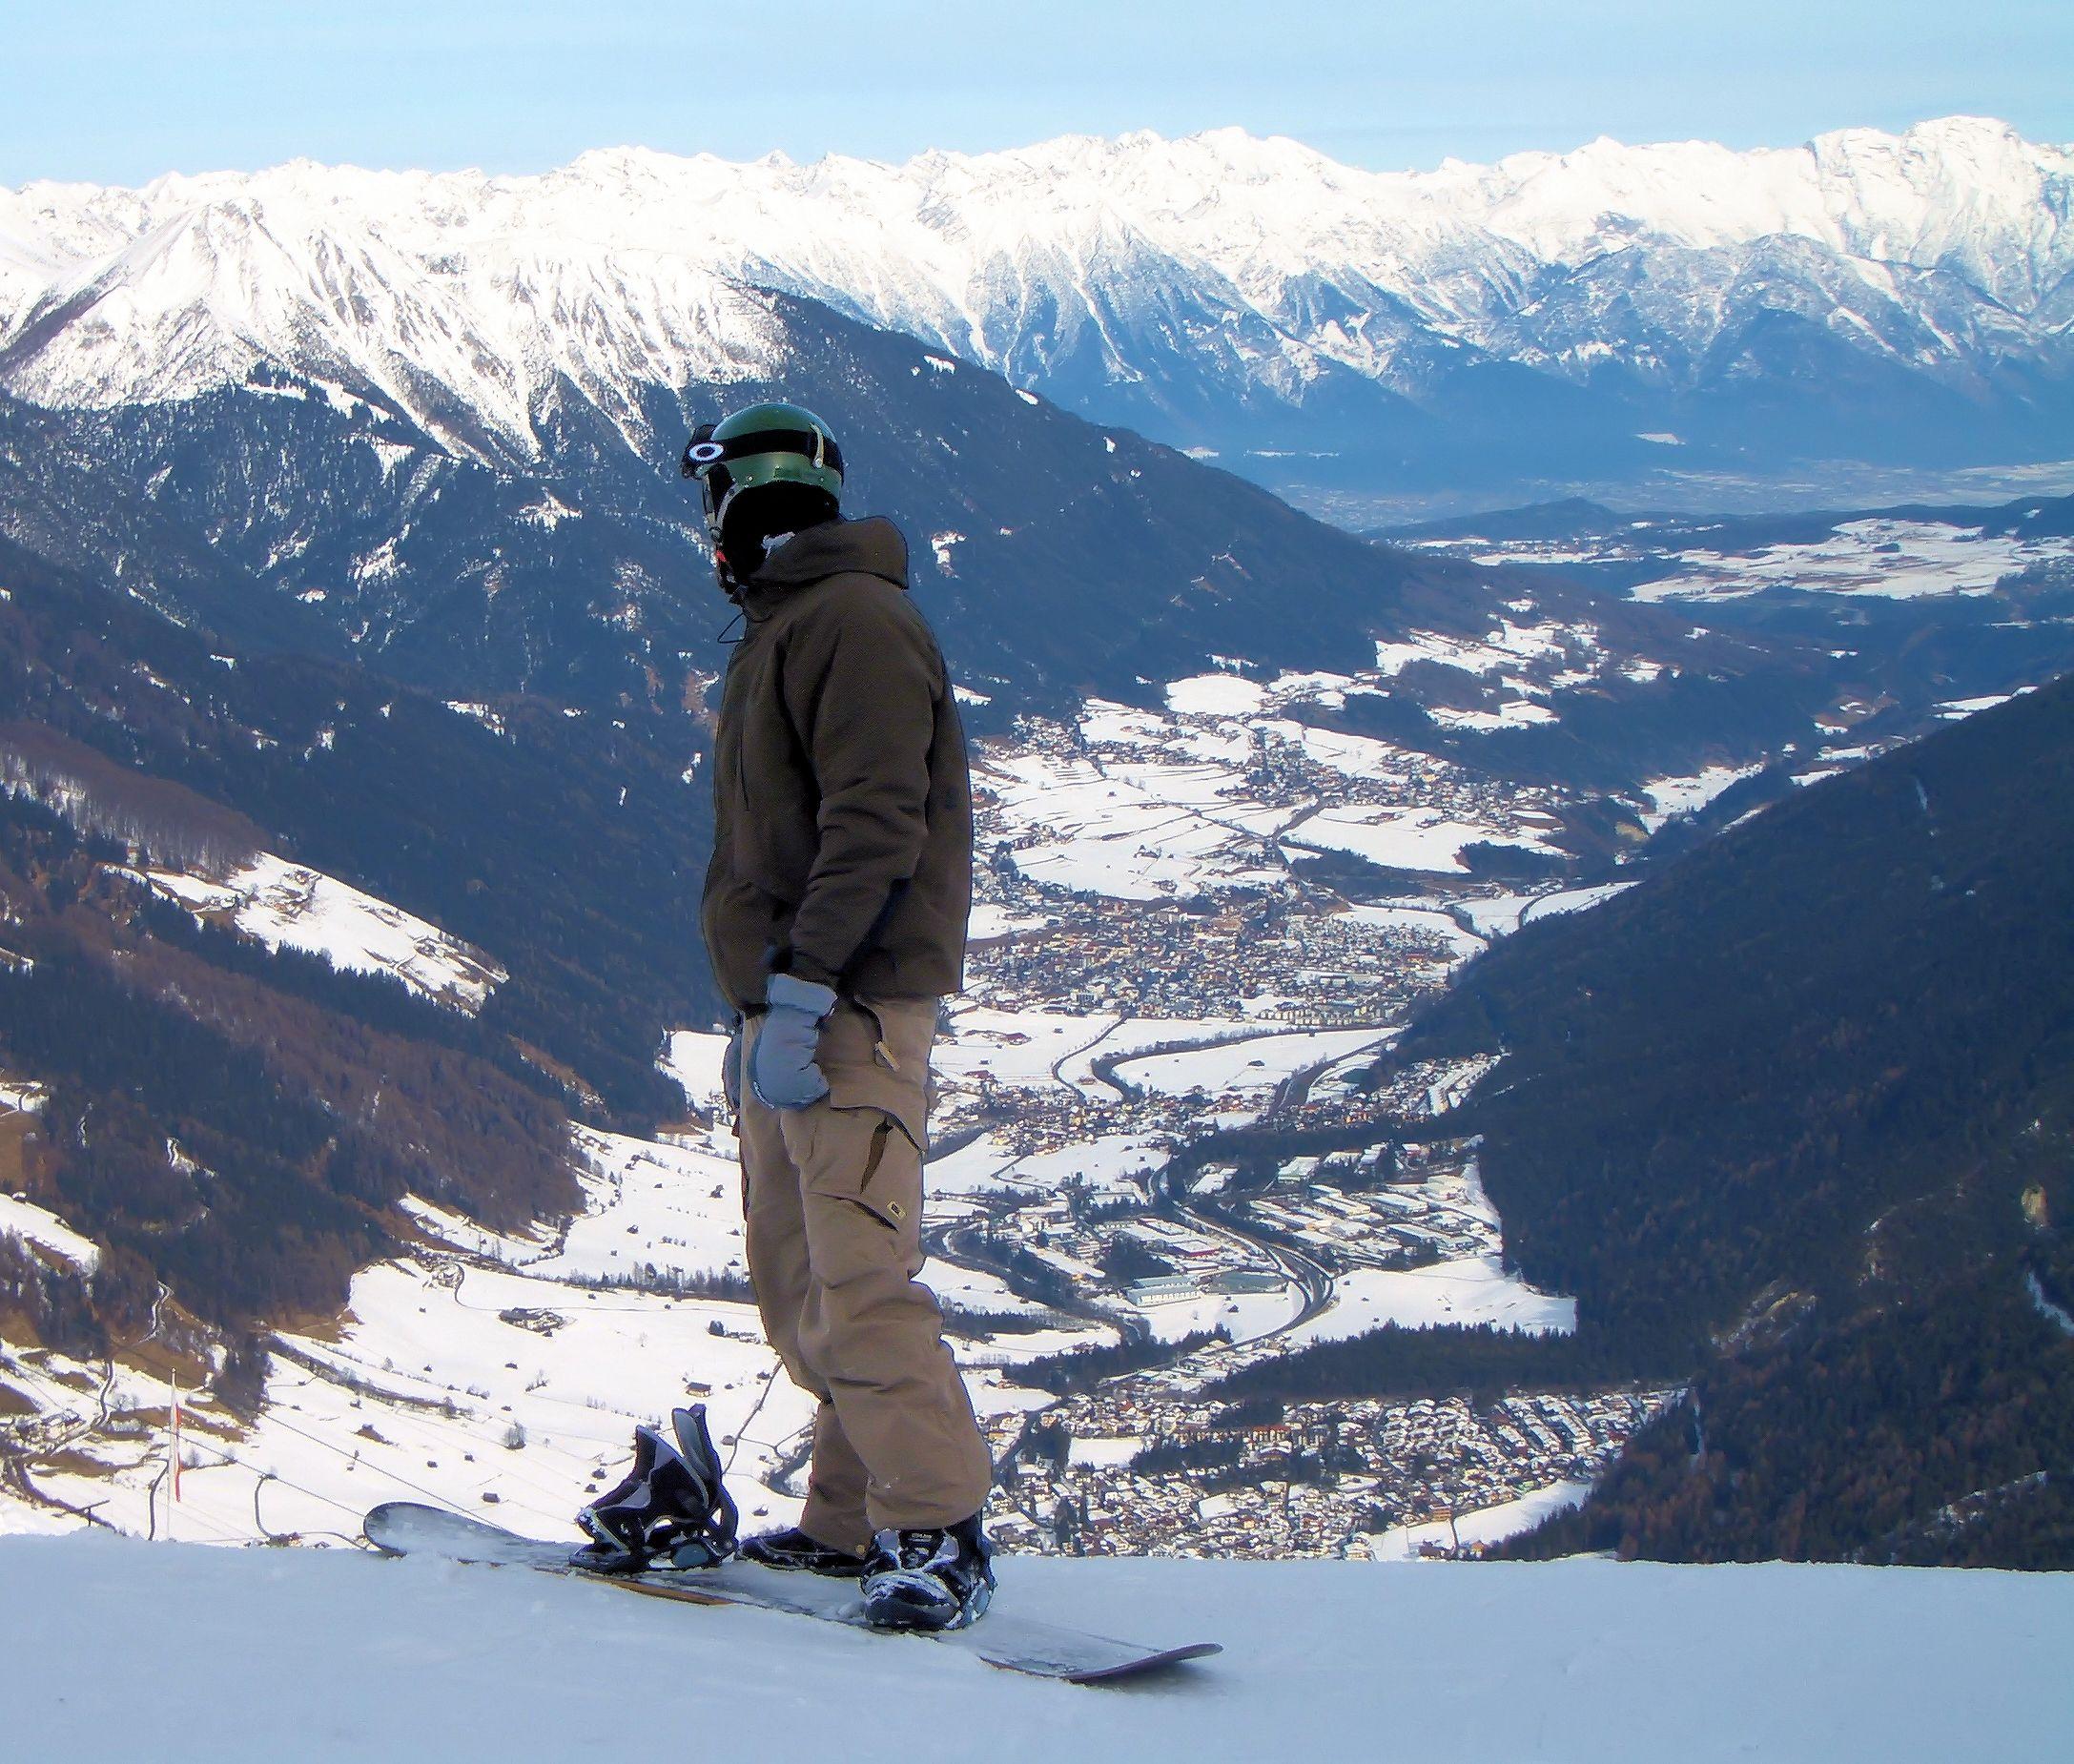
<point>46,1231</point>
<point>291,906</point>
<point>109,1649</point>
<point>1204,279</point>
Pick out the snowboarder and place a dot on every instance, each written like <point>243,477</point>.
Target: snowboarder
<point>835,918</point>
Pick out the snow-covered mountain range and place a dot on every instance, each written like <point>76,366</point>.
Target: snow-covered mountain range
<point>1865,293</point>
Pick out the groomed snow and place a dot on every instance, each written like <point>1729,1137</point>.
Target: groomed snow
<point>112,1649</point>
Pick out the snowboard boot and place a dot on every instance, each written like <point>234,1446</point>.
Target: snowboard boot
<point>929,1579</point>
<point>793,1549</point>
<point>669,1512</point>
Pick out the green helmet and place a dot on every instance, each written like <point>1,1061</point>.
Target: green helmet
<point>762,444</point>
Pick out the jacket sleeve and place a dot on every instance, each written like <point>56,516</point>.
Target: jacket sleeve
<point>861,681</point>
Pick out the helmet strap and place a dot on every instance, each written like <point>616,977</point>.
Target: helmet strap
<point>730,584</point>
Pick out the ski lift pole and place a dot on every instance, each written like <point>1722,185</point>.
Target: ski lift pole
<point>174,1467</point>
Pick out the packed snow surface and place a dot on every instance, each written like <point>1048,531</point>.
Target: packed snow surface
<point>112,1649</point>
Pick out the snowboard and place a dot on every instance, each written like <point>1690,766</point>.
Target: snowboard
<point>1001,1638</point>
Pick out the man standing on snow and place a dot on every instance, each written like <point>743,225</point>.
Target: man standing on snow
<point>834,917</point>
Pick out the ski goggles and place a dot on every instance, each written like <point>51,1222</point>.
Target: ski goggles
<point>707,458</point>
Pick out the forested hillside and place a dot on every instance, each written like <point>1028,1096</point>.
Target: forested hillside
<point>565,844</point>
<point>1800,1110</point>
<point>236,1123</point>
<point>1056,560</point>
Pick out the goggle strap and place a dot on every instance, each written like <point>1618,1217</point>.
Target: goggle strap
<point>814,445</point>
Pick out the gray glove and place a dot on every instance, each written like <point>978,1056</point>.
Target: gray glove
<point>730,1067</point>
<point>781,1071</point>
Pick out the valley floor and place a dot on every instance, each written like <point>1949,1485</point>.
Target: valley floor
<point>1156,1137</point>
<point>111,1648</point>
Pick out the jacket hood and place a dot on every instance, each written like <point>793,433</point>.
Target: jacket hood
<point>873,545</point>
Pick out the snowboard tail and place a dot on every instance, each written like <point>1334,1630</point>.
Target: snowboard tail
<point>1004,1639</point>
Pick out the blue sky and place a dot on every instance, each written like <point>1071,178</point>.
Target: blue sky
<point>119,92</point>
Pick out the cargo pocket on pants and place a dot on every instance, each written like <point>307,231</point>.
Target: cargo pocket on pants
<point>874,1059</point>
<point>868,1159</point>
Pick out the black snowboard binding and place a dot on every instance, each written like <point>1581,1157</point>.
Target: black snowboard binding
<point>939,1579</point>
<point>669,1512</point>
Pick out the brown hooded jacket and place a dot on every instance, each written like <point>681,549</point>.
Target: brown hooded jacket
<point>842,809</point>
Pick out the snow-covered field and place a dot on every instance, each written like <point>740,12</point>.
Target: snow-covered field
<point>1669,796</point>
<point>498,1375</point>
<point>44,1229</point>
<point>1471,1285</point>
<point>1254,1064</point>
<point>1136,805</point>
<point>1488,1525</point>
<point>1957,710</point>
<point>1020,1048</point>
<point>1465,1291</point>
<point>1499,915</point>
<point>291,906</point>
<point>1898,559</point>
<point>1134,831</point>
<point>114,1649</point>
<point>1506,645</point>
<point>1426,839</point>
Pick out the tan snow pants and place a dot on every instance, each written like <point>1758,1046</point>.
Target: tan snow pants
<point>833,1198</point>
